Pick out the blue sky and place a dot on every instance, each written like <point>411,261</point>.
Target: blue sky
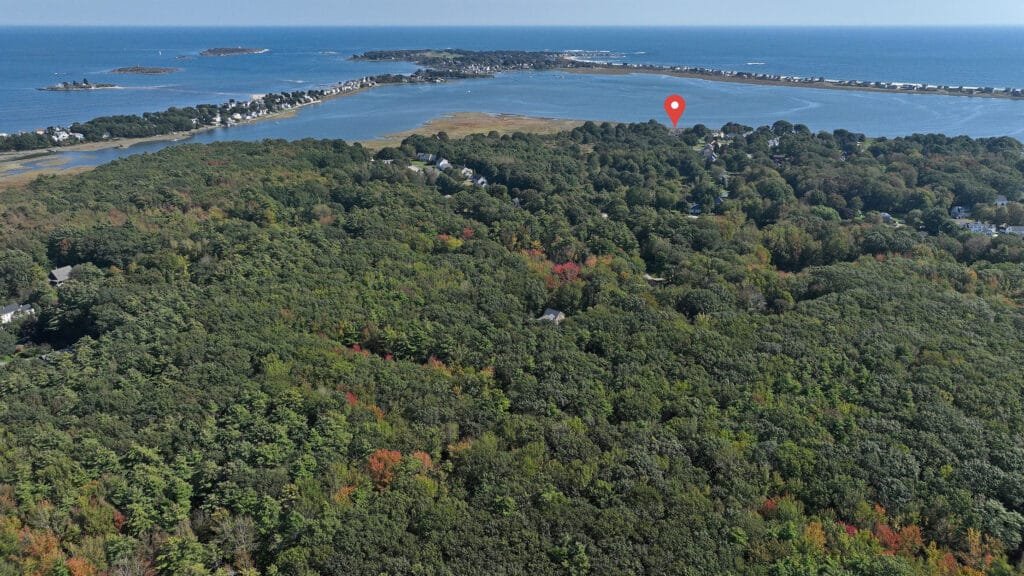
<point>515,12</point>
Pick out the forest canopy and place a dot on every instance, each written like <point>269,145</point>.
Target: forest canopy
<point>779,356</point>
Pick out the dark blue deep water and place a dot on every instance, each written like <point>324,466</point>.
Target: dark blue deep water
<point>302,58</point>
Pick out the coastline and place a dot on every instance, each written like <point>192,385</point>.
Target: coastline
<point>456,124</point>
<point>12,157</point>
<point>613,70</point>
<point>460,123</point>
<point>12,161</point>
<point>564,64</point>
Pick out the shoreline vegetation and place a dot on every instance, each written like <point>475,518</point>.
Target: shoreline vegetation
<point>438,66</point>
<point>146,70</point>
<point>456,125</point>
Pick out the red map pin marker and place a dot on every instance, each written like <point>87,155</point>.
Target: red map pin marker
<point>674,107</point>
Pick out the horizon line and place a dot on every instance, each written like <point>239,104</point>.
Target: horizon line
<point>612,26</point>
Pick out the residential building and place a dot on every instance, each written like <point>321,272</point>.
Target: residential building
<point>60,275</point>
<point>13,312</point>
<point>552,315</point>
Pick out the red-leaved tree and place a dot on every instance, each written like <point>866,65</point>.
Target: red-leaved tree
<point>382,467</point>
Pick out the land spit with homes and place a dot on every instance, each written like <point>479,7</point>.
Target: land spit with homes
<point>437,66</point>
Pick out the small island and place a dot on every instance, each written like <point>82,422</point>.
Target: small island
<point>148,70</point>
<point>77,86</point>
<point>239,51</point>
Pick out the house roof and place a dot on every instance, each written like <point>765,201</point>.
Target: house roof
<point>15,308</point>
<point>552,315</point>
<point>61,274</point>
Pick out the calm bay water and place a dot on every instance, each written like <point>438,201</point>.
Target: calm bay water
<point>303,58</point>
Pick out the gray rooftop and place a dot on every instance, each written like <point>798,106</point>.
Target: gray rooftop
<point>15,308</point>
<point>61,274</point>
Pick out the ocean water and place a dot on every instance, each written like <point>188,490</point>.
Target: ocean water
<point>303,58</point>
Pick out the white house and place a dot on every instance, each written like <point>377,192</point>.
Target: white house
<point>466,172</point>
<point>1001,200</point>
<point>12,312</point>
<point>552,315</point>
<point>480,181</point>
<point>443,164</point>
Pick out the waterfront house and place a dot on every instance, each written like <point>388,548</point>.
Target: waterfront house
<point>551,315</point>
<point>13,312</point>
<point>1016,230</point>
<point>59,276</point>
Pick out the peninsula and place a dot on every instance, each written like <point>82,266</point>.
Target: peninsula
<point>489,62</point>
<point>148,70</point>
<point>238,51</point>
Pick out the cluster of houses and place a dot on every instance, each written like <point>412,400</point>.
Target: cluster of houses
<point>438,164</point>
<point>59,135</point>
<point>961,215</point>
<point>234,112</point>
<point>896,86</point>
<point>989,229</point>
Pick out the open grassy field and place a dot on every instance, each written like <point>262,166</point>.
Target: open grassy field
<point>465,123</point>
